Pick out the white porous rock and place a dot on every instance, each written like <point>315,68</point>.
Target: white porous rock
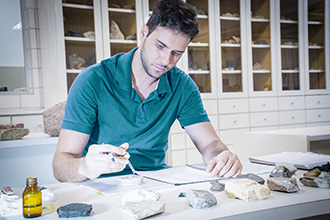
<point>140,195</point>
<point>48,196</point>
<point>246,189</point>
<point>143,209</point>
<point>129,180</point>
<point>10,205</point>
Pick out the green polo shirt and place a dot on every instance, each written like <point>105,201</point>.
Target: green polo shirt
<point>103,104</point>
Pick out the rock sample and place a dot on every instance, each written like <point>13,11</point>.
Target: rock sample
<point>13,131</point>
<point>142,203</point>
<point>217,186</point>
<point>52,118</point>
<point>246,190</point>
<point>74,210</point>
<point>75,61</point>
<point>131,37</point>
<point>251,176</point>
<point>10,205</point>
<point>89,34</point>
<point>281,171</point>
<point>320,182</point>
<point>292,168</point>
<point>115,32</point>
<point>140,195</point>
<point>200,199</point>
<point>313,173</point>
<point>283,184</point>
<point>130,180</point>
<point>143,209</point>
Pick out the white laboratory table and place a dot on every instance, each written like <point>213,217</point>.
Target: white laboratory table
<point>307,202</point>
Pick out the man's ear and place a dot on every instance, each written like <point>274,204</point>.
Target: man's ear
<point>144,31</point>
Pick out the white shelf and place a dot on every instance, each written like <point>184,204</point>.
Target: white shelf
<point>288,22</point>
<point>260,46</point>
<point>74,71</point>
<point>69,5</point>
<point>199,72</point>
<point>122,10</point>
<point>79,39</point>
<point>123,41</point>
<point>198,44</point>
<point>230,45</point>
<point>229,18</point>
<point>260,20</point>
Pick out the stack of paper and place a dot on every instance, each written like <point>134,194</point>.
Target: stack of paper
<point>300,160</point>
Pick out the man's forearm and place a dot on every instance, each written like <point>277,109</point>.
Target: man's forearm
<point>212,150</point>
<point>67,168</point>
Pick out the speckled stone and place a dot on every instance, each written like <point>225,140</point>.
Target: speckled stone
<point>200,199</point>
<point>282,184</point>
<point>281,171</point>
<point>251,176</point>
<point>74,210</point>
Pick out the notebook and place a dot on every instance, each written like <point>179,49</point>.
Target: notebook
<point>301,160</point>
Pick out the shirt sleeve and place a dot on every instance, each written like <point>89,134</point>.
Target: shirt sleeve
<point>192,111</point>
<point>81,107</point>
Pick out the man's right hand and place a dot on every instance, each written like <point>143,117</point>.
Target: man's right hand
<point>97,161</point>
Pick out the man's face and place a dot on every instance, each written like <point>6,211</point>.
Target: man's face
<point>161,50</point>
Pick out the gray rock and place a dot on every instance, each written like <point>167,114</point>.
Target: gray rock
<point>217,186</point>
<point>281,171</point>
<point>13,133</point>
<point>74,210</point>
<point>52,118</point>
<point>75,61</point>
<point>200,199</point>
<point>320,182</point>
<point>143,209</point>
<point>115,32</point>
<point>252,176</point>
<point>283,184</point>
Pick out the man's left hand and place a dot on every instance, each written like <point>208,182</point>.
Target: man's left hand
<point>225,164</point>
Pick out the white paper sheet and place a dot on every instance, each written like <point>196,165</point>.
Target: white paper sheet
<point>307,160</point>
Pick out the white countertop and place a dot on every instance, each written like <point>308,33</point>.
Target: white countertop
<point>308,201</point>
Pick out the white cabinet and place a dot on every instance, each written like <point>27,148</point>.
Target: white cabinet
<point>316,45</point>
<point>259,64</point>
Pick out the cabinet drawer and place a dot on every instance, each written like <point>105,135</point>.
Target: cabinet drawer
<point>291,103</point>
<point>263,104</point>
<point>210,106</point>
<point>264,119</point>
<point>318,101</point>
<point>234,121</point>
<point>233,106</point>
<point>319,115</point>
<point>292,117</point>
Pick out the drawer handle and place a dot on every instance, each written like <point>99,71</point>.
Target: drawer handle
<point>319,116</point>
<point>234,106</point>
<point>235,122</point>
<point>292,103</point>
<point>264,105</point>
<point>292,117</point>
<point>265,119</point>
<point>319,102</point>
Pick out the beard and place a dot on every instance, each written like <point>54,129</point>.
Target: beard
<point>145,65</point>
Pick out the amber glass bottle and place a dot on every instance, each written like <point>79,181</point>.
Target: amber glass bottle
<point>31,199</point>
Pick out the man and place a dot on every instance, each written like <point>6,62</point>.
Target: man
<point>129,102</point>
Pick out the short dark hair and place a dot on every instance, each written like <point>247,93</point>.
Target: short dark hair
<point>174,14</point>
